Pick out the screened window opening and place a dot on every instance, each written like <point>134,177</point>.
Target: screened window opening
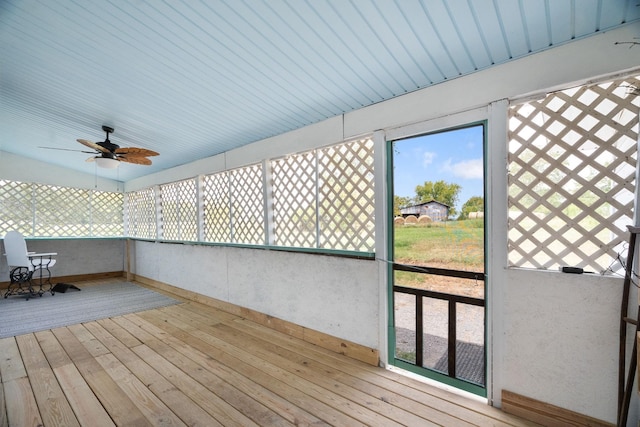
<point>322,199</point>
<point>325,198</point>
<point>39,210</point>
<point>572,160</point>
<point>179,211</point>
<point>141,220</point>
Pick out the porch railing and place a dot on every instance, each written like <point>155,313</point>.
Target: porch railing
<point>452,301</point>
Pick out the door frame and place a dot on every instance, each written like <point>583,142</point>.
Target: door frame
<point>451,122</point>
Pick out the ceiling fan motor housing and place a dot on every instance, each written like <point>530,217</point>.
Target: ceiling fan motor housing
<point>108,144</point>
<point>110,155</point>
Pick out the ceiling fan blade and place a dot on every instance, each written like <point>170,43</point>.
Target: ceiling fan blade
<point>92,145</point>
<point>136,151</point>
<point>68,149</point>
<point>138,160</point>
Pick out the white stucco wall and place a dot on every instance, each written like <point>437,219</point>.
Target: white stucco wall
<point>334,295</point>
<point>76,256</point>
<point>561,339</point>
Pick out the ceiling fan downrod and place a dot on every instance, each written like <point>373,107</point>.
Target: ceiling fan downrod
<point>106,143</point>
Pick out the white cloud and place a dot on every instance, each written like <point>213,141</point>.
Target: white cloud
<point>427,158</point>
<point>467,169</point>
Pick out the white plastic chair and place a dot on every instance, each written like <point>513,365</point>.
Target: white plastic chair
<point>23,264</point>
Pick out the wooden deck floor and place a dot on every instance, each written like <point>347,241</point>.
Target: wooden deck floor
<point>190,364</point>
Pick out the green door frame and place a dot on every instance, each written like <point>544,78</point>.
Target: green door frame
<point>422,371</point>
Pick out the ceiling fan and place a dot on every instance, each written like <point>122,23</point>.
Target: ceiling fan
<point>109,155</point>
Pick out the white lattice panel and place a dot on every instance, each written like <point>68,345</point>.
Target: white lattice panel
<point>106,214</point>
<point>294,200</point>
<point>572,162</point>
<point>247,205</point>
<point>216,204</point>
<point>62,211</point>
<point>178,201</point>
<point>16,207</point>
<point>346,196</point>
<point>233,202</point>
<point>50,211</point>
<point>141,214</point>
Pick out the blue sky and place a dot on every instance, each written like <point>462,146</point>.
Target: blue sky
<point>453,156</point>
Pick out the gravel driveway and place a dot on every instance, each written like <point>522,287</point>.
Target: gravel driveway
<point>470,335</point>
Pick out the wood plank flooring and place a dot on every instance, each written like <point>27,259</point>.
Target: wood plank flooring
<point>190,364</point>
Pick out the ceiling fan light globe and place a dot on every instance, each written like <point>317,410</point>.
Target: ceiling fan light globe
<point>107,163</point>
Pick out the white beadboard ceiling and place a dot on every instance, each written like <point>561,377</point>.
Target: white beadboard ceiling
<point>191,79</point>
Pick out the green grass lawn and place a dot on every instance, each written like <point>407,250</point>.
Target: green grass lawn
<point>456,244</point>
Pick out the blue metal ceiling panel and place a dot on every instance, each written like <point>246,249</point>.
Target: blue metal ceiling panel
<point>442,17</point>
<point>488,22</point>
<point>194,79</point>
<point>468,31</point>
<point>587,20</point>
<point>532,13</point>
<point>515,32</point>
<point>431,45</point>
<point>558,14</point>
<point>388,45</point>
